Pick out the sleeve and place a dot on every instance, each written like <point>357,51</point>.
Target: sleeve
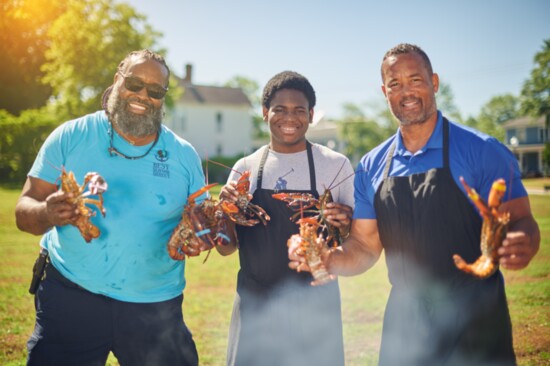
<point>51,157</point>
<point>364,207</point>
<point>497,161</point>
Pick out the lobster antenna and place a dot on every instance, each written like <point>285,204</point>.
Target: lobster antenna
<point>343,180</point>
<point>339,170</point>
<point>225,166</point>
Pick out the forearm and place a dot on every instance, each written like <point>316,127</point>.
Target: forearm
<point>352,258</point>
<point>31,216</point>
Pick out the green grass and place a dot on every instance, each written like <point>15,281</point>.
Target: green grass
<point>211,288</point>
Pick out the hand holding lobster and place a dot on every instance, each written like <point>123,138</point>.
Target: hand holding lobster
<point>333,217</point>
<point>493,231</point>
<point>235,203</point>
<point>202,227</point>
<point>76,196</point>
<point>307,250</point>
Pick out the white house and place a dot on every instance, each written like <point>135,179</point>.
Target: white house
<point>526,137</point>
<point>216,120</point>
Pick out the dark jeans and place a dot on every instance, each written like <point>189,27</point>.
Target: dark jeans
<point>76,327</point>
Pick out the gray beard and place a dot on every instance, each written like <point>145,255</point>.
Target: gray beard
<point>129,123</point>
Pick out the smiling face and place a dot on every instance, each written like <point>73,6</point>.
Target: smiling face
<point>409,88</point>
<point>288,118</point>
<point>135,113</point>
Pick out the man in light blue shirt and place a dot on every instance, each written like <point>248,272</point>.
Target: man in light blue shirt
<point>121,292</point>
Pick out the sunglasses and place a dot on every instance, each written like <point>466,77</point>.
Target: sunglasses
<point>135,85</point>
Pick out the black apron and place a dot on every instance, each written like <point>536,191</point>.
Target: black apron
<point>436,314</point>
<point>278,317</point>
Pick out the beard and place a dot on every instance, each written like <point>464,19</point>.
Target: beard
<point>413,118</point>
<point>129,123</point>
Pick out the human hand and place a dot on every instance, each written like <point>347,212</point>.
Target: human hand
<point>339,215</point>
<point>516,251</point>
<point>299,262</point>
<point>59,210</point>
<point>229,192</point>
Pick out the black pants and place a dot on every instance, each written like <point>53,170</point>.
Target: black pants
<point>76,327</point>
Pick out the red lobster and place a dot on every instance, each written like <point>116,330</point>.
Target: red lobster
<point>96,186</point>
<point>306,202</point>
<point>202,227</point>
<point>310,246</point>
<point>493,230</point>
<point>242,211</point>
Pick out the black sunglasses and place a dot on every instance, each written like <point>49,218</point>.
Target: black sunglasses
<point>135,85</point>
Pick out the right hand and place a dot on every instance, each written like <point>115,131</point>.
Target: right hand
<point>59,211</point>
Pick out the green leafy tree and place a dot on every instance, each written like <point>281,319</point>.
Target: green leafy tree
<point>445,102</point>
<point>359,133</point>
<point>494,113</point>
<point>23,41</point>
<point>535,95</point>
<point>87,42</point>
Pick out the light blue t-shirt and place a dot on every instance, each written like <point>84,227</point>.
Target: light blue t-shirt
<point>479,158</point>
<point>144,203</point>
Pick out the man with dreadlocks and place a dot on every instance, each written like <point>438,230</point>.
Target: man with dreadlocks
<point>121,293</point>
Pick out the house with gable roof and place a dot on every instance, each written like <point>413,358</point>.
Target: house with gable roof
<point>216,120</point>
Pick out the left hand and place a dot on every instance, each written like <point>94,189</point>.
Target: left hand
<point>339,215</point>
<point>516,251</point>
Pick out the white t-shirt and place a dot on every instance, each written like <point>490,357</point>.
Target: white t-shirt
<point>291,172</point>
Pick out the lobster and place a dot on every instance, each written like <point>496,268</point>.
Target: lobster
<point>306,202</point>
<point>242,211</point>
<point>493,230</point>
<point>96,186</point>
<point>201,227</point>
<point>310,246</point>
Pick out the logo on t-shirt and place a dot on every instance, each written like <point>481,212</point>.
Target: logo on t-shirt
<point>161,155</point>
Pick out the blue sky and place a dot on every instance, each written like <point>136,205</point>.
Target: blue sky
<point>481,48</point>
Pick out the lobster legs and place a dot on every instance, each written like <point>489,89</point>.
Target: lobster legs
<point>493,231</point>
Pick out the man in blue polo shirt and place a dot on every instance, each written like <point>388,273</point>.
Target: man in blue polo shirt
<point>121,292</point>
<point>409,201</point>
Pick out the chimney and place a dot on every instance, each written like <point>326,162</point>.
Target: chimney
<point>188,73</point>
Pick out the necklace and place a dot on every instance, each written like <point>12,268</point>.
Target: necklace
<point>113,150</point>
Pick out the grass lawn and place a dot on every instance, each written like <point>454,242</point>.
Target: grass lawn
<point>211,287</point>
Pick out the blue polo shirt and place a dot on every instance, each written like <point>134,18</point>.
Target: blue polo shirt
<point>479,158</point>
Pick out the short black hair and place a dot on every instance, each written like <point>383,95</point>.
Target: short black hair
<point>141,54</point>
<point>404,48</point>
<point>288,80</point>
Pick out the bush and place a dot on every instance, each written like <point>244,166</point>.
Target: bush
<point>20,139</point>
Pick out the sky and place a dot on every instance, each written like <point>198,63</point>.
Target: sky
<point>481,48</point>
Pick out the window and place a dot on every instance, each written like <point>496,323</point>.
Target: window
<point>219,122</point>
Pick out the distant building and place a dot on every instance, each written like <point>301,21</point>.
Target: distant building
<point>216,120</point>
<point>526,138</point>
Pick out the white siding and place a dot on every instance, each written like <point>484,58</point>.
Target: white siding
<point>198,125</point>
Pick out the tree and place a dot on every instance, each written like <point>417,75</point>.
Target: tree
<point>494,113</point>
<point>446,104</point>
<point>359,133</point>
<point>87,42</point>
<point>23,41</point>
<point>535,94</point>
